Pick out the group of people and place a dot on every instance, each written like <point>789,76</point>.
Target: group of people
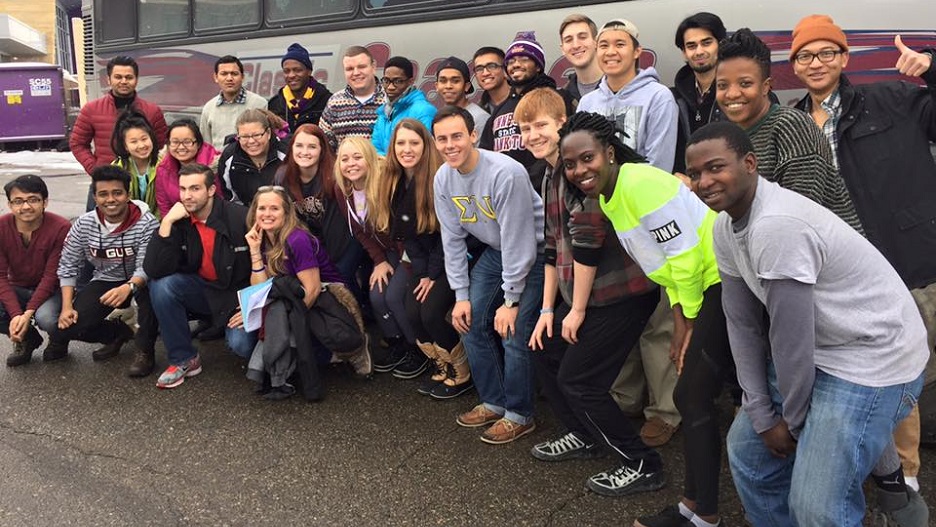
<point>600,241</point>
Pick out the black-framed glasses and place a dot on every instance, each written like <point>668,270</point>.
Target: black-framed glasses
<point>32,200</point>
<point>246,138</point>
<point>399,83</point>
<point>805,58</point>
<point>176,143</point>
<point>490,67</point>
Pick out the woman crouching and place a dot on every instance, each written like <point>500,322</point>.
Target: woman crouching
<point>281,248</point>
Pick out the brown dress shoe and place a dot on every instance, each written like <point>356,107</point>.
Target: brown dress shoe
<point>505,431</point>
<point>477,416</point>
<point>656,432</point>
<point>143,363</point>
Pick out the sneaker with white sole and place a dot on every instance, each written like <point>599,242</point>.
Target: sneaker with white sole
<point>629,478</point>
<point>569,446</point>
<point>176,374</point>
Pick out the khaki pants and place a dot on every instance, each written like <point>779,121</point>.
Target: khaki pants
<point>648,369</point>
<point>907,433</point>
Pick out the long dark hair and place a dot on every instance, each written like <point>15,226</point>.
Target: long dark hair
<point>127,121</point>
<point>325,169</point>
<point>423,175</point>
<point>604,131</point>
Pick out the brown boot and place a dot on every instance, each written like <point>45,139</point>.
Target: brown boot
<point>430,350</point>
<point>460,380</point>
<point>143,363</point>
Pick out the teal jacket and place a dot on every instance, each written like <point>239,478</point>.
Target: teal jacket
<point>413,105</point>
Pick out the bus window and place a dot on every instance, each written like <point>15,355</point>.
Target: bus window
<point>282,12</point>
<point>223,14</point>
<point>160,18</point>
<point>116,10</point>
<point>379,5</point>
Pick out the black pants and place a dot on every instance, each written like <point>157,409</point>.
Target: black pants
<point>428,318</point>
<point>92,325</point>
<point>706,367</point>
<point>576,378</point>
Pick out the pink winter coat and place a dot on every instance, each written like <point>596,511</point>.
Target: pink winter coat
<point>167,177</point>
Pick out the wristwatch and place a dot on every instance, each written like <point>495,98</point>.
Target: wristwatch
<point>511,303</point>
<point>133,288</point>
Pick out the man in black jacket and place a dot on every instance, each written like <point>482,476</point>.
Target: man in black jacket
<point>880,135</point>
<point>197,261</point>
<point>525,63</point>
<point>303,98</point>
<point>694,87</point>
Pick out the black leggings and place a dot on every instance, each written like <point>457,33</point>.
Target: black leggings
<point>707,365</point>
<point>428,318</point>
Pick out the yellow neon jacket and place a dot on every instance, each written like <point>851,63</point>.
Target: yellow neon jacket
<point>667,230</point>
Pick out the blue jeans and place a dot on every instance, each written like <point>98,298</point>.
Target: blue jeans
<point>847,428</point>
<point>46,315</point>
<point>176,295</point>
<point>504,379</point>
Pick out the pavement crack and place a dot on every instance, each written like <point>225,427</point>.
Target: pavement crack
<point>83,451</point>
<point>559,507</point>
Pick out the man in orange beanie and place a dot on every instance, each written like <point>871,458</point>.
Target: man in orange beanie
<point>876,130</point>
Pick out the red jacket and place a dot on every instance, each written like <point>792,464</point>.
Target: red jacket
<point>95,124</point>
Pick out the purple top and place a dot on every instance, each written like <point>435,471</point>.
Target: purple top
<point>308,253</point>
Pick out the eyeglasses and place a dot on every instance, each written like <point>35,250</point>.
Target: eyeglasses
<point>271,188</point>
<point>32,200</point>
<point>399,83</point>
<point>187,143</point>
<point>245,138</point>
<point>827,55</point>
<point>490,66</point>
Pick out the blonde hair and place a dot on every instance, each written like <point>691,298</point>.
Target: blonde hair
<point>274,244</point>
<point>423,174</point>
<point>371,160</point>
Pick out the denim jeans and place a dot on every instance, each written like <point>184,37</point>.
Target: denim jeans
<point>847,428</point>
<point>504,379</point>
<point>46,316</point>
<point>176,295</point>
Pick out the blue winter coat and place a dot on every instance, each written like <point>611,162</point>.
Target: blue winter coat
<point>412,105</point>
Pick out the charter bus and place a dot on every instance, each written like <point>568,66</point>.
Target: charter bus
<point>177,41</point>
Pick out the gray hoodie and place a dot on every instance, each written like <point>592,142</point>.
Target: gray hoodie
<point>645,110</point>
<point>496,204</point>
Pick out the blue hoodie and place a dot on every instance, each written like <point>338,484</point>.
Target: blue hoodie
<point>410,105</point>
<point>645,110</point>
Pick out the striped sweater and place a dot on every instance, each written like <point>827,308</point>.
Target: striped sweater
<point>116,256</point>
<point>792,152</point>
<point>345,116</point>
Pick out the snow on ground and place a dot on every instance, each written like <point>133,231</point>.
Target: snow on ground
<point>66,179</point>
<point>24,161</point>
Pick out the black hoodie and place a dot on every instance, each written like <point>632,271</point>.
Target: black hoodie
<point>502,134</point>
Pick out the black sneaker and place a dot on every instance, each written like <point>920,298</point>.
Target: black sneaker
<point>386,360</point>
<point>122,335</point>
<point>55,351</point>
<point>412,365</point>
<point>668,517</point>
<point>626,479</point>
<point>569,446</point>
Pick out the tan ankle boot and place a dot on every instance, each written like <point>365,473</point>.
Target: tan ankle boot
<point>430,349</point>
<point>459,363</point>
